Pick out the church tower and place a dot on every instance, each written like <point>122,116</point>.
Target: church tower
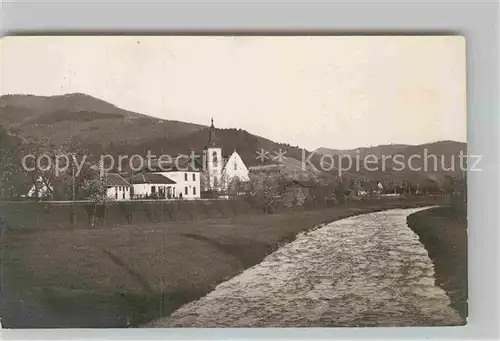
<point>213,162</point>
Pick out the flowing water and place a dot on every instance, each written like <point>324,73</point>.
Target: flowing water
<point>367,270</point>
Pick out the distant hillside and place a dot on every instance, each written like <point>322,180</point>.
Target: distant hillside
<point>433,148</point>
<point>388,149</point>
<point>441,157</point>
<point>102,128</point>
<point>83,118</point>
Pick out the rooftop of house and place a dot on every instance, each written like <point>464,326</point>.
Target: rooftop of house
<point>115,179</point>
<point>151,178</point>
<point>181,163</point>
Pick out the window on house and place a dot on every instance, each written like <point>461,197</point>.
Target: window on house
<point>116,192</point>
<point>123,195</point>
<point>185,190</point>
<point>194,177</point>
<point>215,181</point>
<point>185,176</point>
<point>194,190</point>
<point>153,189</point>
<point>235,166</point>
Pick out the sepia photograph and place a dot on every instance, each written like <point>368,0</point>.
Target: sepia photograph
<point>222,181</point>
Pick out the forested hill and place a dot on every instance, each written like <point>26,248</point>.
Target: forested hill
<point>99,127</point>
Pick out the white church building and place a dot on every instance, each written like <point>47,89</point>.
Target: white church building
<point>218,171</point>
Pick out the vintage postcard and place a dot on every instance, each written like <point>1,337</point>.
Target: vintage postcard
<point>233,181</point>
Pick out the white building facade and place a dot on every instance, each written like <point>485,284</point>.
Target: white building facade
<point>117,188</point>
<point>40,189</point>
<point>234,168</point>
<point>118,193</point>
<point>187,183</point>
<point>153,186</point>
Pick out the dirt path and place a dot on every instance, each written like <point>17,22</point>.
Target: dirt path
<point>368,270</point>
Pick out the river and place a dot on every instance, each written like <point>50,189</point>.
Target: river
<point>367,270</point>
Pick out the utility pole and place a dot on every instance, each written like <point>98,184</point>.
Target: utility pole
<point>73,179</point>
<point>73,209</point>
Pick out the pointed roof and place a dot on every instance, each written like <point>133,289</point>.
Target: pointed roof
<point>181,163</point>
<point>213,140</point>
<point>227,158</point>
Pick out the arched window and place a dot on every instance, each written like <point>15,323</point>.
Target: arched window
<point>216,181</point>
<point>235,166</point>
<point>215,161</point>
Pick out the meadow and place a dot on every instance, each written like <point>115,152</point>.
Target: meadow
<point>127,275</point>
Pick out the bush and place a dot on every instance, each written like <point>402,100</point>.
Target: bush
<point>128,211</point>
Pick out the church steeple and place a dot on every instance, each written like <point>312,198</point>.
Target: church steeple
<point>212,160</point>
<point>213,141</point>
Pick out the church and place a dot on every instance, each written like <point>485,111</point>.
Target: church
<point>188,177</point>
<point>220,171</point>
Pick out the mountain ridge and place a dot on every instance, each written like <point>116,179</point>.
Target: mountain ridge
<point>102,127</point>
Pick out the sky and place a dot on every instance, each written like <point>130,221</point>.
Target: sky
<point>337,92</point>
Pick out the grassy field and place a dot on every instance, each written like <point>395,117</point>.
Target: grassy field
<point>129,275</point>
<point>443,231</point>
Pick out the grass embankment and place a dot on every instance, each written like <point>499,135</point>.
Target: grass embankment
<point>443,232</point>
<point>133,274</point>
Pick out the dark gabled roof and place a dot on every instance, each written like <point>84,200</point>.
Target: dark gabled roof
<point>180,163</point>
<point>115,179</point>
<point>151,178</point>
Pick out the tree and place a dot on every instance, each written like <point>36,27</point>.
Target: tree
<point>11,184</point>
<point>341,190</point>
<point>234,187</point>
<point>354,187</point>
<point>204,181</point>
<point>54,169</point>
<point>294,197</point>
<point>264,189</point>
<point>97,193</point>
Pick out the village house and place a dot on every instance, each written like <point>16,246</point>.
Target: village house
<point>308,187</point>
<point>40,189</point>
<point>183,171</point>
<point>117,188</point>
<point>152,186</point>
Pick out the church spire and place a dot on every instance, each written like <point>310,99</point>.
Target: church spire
<point>213,141</point>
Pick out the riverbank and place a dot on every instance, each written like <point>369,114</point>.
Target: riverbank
<point>365,271</point>
<point>443,232</point>
<point>129,275</point>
